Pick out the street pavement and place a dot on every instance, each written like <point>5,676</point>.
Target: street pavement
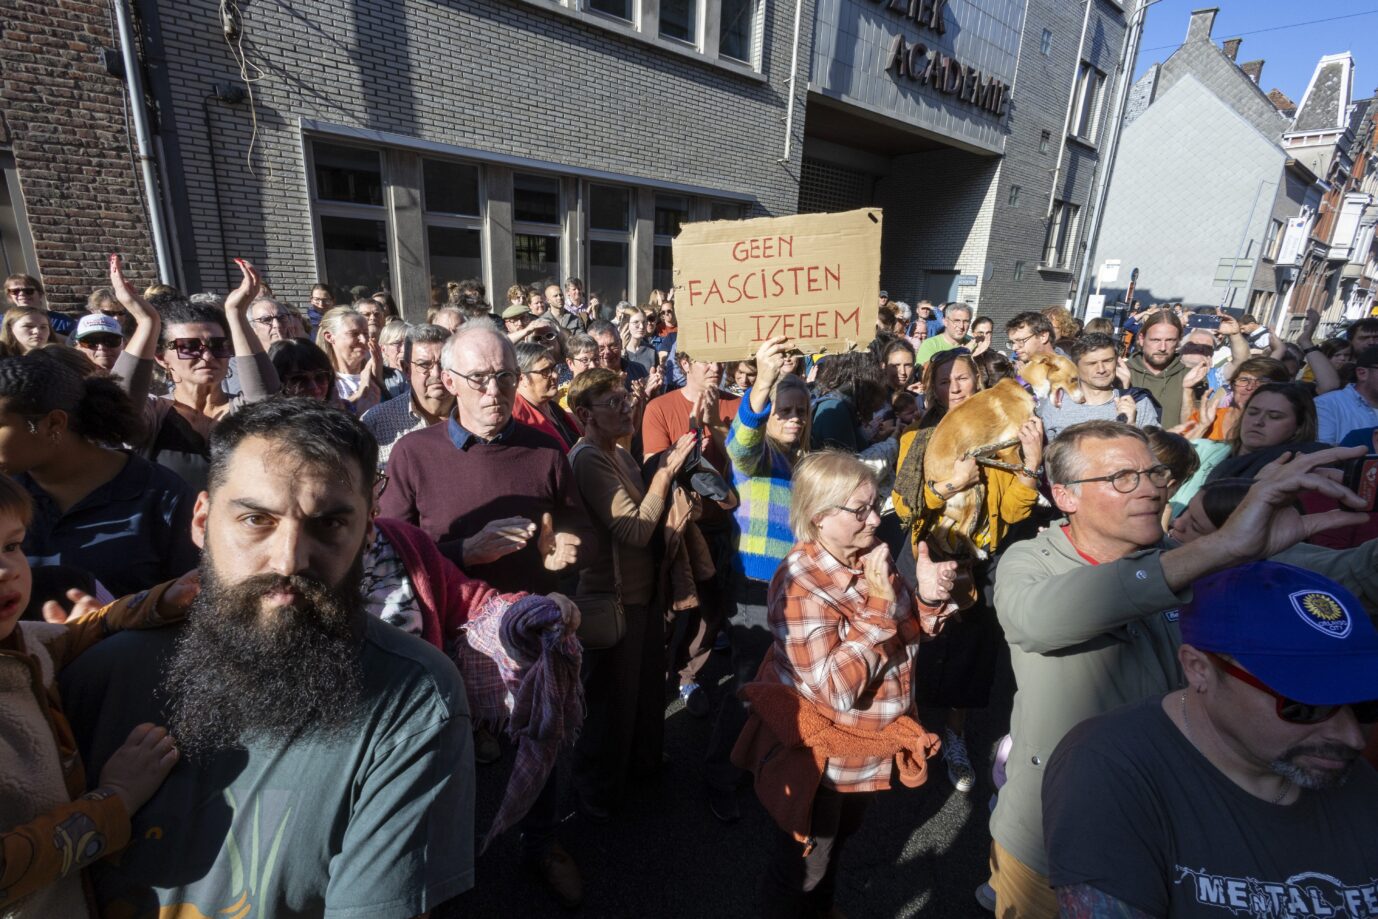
<point>920,852</point>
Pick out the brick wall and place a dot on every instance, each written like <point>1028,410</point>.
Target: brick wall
<point>503,76</point>
<point>66,121</point>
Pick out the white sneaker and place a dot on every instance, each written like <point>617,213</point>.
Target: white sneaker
<point>959,771</point>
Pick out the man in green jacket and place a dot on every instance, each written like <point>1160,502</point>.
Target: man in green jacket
<point>1089,610</point>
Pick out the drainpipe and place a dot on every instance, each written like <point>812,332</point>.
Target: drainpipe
<point>1106,167</point>
<point>133,76</point>
<point>1067,119</point>
<point>793,75</point>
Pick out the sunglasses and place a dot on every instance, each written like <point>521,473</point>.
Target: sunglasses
<point>307,379</point>
<point>1290,710</point>
<point>189,349</point>
<point>23,291</point>
<point>96,342</point>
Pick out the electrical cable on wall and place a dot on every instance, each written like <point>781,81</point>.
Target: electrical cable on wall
<point>232,27</point>
<point>128,133</point>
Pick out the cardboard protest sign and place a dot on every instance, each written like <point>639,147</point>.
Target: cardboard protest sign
<point>814,278</point>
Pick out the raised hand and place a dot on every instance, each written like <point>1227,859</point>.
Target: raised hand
<point>878,572</point>
<point>933,580</point>
<point>147,323</point>
<point>242,297</point>
<point>679,453</point>
<point>558,550</point>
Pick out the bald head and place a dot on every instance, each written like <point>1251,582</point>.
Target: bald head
<point>480,369</point>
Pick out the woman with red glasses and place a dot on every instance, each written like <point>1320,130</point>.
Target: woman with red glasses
<point>193,344</point>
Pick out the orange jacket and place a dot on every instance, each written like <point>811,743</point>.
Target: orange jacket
<point>787,741</point>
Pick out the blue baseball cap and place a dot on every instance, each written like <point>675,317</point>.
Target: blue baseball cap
<point>1305,636</point>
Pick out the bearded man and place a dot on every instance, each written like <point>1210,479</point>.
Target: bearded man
<point>328,763</point>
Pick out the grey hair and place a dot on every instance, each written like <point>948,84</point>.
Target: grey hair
<point>1066,461</point>
<point>580,342</point>
<point>961,308</point>
<point>473,329</point>
<point>529,353</point>
<point>215,300</point>
<point>425,333</point>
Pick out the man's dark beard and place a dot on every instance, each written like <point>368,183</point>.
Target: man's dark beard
<point>238,674</point>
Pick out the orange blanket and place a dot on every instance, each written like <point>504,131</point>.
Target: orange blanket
<point>787,741</point>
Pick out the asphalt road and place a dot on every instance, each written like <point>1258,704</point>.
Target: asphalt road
<point>920,853</point>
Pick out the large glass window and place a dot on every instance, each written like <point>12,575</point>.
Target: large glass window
<point>537,257</point>
<point>609,271</point>
<point>451,188</point>
<point>348,174</point>
<point>536,199</point>
<point>356,253</point>
<point>609,247</point>
<point>456,254</point>
<point>609,208</point>
<point>679,20</point>
<point>622,9</point>
<point>734,29</point>
<point>726,210</point>
<point>1057,246</point>
<point>670,212</point>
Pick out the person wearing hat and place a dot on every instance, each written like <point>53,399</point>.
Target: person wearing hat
<point>1244,793</point>
<point>1351,408</point>
<point>515,318</point>
<point>100,338</point>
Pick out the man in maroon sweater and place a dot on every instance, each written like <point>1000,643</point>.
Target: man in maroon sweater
<point>483,485</point>
<point>498,497</point>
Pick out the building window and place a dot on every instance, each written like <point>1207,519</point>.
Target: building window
<point>1014,195</point>
<point>679,20</point>
<point>536,226</point>
<point>1087,102</point>
<point>356,253</point>
<point>671,211</point>
<point>610,238</point>
<point>1061,234</point>
<point>1045,44</point>
<point>454,228</point>
<point>622,9</point>
<point>1045,141</point>
<point>1019,271</point>
<point>1272,241</point>
<point>734,29</point>
<point>351,220</point>
<point>726,210</point>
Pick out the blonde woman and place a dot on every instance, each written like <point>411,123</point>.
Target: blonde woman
<point>357,361</point>
<point>24,329</point>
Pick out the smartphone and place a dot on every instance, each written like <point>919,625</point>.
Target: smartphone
<point>1234,312</point>
<point>1361,477</point>
<point>1203,321</point>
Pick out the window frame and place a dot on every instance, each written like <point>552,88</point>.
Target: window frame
<point>453,221</point>
<point>1060,237</point>
<point>591,235</point>
<point>320,207</point>
<point>1090,88</point>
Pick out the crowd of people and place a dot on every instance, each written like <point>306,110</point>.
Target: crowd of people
<point>276,580</point>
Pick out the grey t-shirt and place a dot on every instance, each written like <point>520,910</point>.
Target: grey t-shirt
<point>376,824</point>
<point>1132,809</point>
<point>1056,419</point>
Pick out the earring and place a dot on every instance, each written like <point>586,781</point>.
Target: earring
<point>33,426</point>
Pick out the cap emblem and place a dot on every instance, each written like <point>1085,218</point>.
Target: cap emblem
<point>1322,612</point>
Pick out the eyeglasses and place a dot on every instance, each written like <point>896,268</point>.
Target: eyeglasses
<point>616,403</point>
<point>189,349</point>
<point>113,314</point>
<point>506,379</point>
<point>863,513</point>
<point>546,334</point>
<point>97,342</point>
<point>1290,710</point>
<point>267,321</point>
<point>1247,382</point>
<point>1126,480</point>
<point>667,312</point>
<point>22,291</point>
<point>381,484</point>
<point>552,371</point>
<point>1017,343</point>
<point>580,360</point>
<point>426,367</point>
<point>307,379</point>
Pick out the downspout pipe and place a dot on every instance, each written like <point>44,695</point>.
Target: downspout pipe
<point>1067,118</point>
<point>793,77</point>
<point>134,80</point>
